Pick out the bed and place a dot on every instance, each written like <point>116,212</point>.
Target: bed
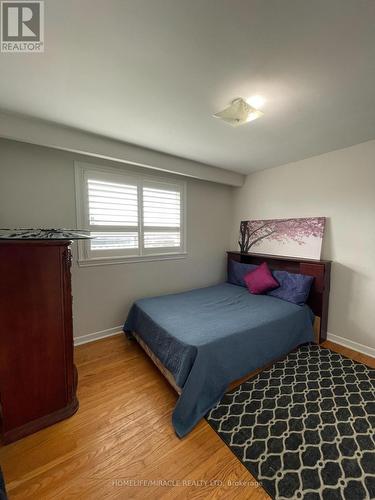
<point>204,339</point>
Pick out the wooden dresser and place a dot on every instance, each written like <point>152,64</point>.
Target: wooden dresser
<point>38,379</point>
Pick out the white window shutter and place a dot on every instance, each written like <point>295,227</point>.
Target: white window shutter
<point>129,215</point>
<point>112,204</point>
<point>162,217</point>
<point>113,217</point>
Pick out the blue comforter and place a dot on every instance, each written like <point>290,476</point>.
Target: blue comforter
<point>212,336</point>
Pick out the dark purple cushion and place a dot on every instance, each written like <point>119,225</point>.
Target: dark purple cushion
<point>260,280</point>
<point>237,271</point>
<point>293,287</point>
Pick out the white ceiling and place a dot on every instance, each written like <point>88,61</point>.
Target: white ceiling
<point>152,72</point>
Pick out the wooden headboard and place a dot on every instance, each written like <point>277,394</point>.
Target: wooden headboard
<point>319,293</point>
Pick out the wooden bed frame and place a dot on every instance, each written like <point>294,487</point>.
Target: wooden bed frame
<point>318,298</point>
<point>167,374</point>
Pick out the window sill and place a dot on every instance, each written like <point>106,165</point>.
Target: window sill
<point>130,260</point>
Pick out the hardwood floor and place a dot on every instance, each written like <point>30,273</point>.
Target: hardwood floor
<point>121,443</point>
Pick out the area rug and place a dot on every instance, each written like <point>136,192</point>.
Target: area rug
<point>3,493</point>
<point>305,427</point>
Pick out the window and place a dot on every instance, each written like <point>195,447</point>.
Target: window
<point>129,216</point>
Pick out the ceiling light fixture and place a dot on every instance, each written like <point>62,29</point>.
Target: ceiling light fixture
<point>238,113</point>
<point>256,101</point>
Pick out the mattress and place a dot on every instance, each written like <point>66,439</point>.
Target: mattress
<point>209,337</point>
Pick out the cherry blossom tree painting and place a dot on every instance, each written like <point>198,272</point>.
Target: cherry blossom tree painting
<point>290,237</point>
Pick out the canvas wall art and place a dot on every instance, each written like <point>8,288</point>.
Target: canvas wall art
<point>301,237</point>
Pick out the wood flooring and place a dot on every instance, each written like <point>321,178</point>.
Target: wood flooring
<point>121,443</point>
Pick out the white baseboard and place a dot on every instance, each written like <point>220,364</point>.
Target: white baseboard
<point>117,330</point>
<point>350,344</point>
<point>90,337</point>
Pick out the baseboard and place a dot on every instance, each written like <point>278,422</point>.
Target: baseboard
<point>90,337</point>
<point>117,330</point>
<point>350,344</point>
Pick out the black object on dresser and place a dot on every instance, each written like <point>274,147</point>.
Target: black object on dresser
<point>38,378</point>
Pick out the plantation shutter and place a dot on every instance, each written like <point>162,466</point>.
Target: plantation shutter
<point>113,217</point>
<point>162,217</point>
<point>129,215</point>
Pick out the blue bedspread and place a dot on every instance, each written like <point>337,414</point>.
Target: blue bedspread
<point>212,336</point>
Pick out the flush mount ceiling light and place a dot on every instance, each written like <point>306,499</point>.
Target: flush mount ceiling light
<point>256,101</point>
<point>239,112</point>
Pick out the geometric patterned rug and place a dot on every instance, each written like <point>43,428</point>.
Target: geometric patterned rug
<point>304,428</point>
<point>3,494</point>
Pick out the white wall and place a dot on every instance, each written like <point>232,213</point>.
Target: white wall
<point>341,186</point>
<point>43,133</point>
<point>37,190</point>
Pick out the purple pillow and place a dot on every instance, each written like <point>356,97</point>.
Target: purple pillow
<point>261,280</point>
<point>293,288</point>
<point>237,271</point>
